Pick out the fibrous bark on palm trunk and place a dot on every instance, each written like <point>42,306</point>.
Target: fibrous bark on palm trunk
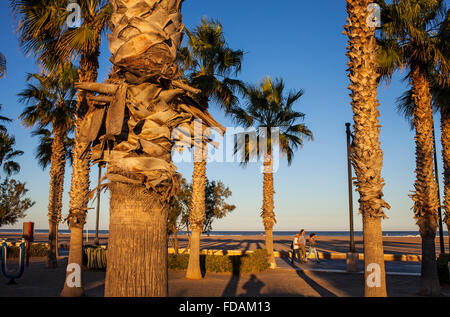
<point>131,128</point>
<point>57,169</point>
<point>425,195</point>
<point>79,189</point>
<point>445,139</point>
<point>137,252</point>
<point>196,215</point>
<point>267,212</point>
<point>367,156</point>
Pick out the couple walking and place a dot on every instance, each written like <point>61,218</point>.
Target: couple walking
<point>299,247</point>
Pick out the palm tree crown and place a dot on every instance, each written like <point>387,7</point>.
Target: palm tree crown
<point>415,37</point>
<point>268,107</point>
<point>43,29</point>
<point>51,99</point>
<point>207,63</point>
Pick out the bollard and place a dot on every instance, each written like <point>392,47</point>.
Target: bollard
<point>352,262</point>
<point>28,235</point>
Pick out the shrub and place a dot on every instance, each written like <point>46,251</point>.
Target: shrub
<point>178,262</point>
<point>442,266</point>
<point>217,263</point>
<point>258,261</point>
<point>36,250</point>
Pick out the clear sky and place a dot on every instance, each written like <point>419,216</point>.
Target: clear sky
<point>300,41</point>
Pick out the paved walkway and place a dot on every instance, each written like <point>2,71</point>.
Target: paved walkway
<point>340,266</point>
<point>301,280</point>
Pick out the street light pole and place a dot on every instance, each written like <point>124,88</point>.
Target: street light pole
<point>96,242</point>
<point>436,174</point>
<point>350,187</point>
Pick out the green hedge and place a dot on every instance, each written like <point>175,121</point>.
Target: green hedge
<point>255,262</point>
<point>443,271</point>
<point>36,250</point>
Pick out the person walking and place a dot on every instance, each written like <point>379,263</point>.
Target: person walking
<point>312,247</point>
<point>296,248</point>
<point>302,241</point>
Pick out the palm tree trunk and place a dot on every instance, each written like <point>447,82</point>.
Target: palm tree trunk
<point>175,241</point>
<point>72,289</point>
<point>445,139</point>
<point>79,189</point>
<point>137,246</point>
<point>57,169</point>
<point>373,253</point>
<point>196,216</point>
<point>425,195</point>
<point>141,174</point>
<point>367,156</point>
<point>267,213</point>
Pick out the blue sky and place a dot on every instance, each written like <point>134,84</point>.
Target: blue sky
<point>300,41</point>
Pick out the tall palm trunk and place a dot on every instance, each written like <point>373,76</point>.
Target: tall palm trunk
<point>196,216</point>
<point>367,156</point>
<point>445,139</point>
<point>144,40</point>
<point>267,214</point>
<point>79,189</point>
<point>425,195</point>
<point>137,245</point>
<point>57,169</point>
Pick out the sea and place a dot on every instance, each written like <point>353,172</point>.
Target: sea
<point>253,233</point>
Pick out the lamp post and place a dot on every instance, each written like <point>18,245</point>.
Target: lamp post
<point>441,230</point>
<point>96,242</point>
<point>350,187</point>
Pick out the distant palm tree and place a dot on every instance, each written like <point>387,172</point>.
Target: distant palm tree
<point>51,103</point>
<point>409,39</point>
<point>268,107</point>
<point>441,103</point>
<point>207,63</point>
<point>44,33</point>
<point>7,151</point>
<point>43,153</point>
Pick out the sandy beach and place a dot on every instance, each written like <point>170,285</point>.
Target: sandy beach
<point>340,244</point>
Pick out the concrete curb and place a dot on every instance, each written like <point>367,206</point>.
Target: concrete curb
<point>343,271</point>
<point>278,254</point>
<point>322,255</point>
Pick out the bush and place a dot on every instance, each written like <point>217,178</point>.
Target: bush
<point>258,261</point>
<point>36,250</point>
<point>442,266</point>
<point>217,263</point>
<point>178,262</point>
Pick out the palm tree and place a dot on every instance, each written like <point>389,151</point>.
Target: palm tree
<point>367,156</point>
<point>440,101</point>
<point>51,103</point>
<point>410,38</point>
<point>7,151</point>
<point>85,42</point>
<point>268,107</point>
<point>44,33</point>
<point>138,108</point>
<point>207,62</point>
